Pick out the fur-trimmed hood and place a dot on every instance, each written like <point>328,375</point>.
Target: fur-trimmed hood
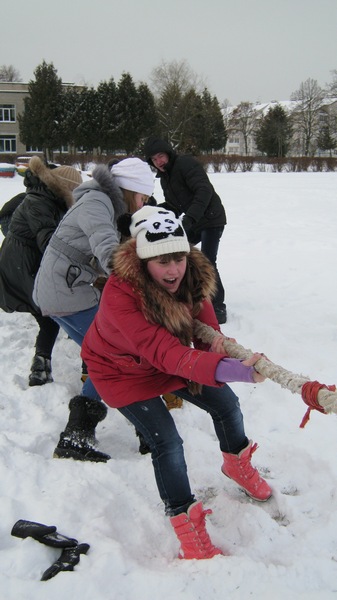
<point>158,305</point>
<point>47,176</point>
<point>102,180</point>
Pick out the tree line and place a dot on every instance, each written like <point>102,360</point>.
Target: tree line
<point>118,116</point>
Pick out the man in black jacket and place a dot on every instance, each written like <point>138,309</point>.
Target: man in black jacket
<point>188,191</point>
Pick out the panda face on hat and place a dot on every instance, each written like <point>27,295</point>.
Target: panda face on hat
<point>161,226</point>
<point>157,232</point>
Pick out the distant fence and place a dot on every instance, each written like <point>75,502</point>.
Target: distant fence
<point>216,163</point>
<point>231,164</point>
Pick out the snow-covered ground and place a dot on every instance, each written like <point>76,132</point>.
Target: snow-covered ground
<point>278,263</point>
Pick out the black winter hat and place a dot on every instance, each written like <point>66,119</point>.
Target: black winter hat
<point>153,145</point>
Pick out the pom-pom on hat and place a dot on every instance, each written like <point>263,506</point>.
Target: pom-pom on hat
<point>157,231</point>
<point>135,175</point>
<point>70,176</point>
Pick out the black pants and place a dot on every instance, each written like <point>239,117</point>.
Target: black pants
<point>210,240</point>
<point>46,338</point>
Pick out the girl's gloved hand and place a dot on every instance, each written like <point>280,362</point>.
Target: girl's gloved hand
<point>250,362</point>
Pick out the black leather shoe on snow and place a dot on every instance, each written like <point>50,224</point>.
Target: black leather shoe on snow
<point>40,371</point>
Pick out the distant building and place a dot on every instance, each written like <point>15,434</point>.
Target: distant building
<point>12,95</point>
<point>236,143</point>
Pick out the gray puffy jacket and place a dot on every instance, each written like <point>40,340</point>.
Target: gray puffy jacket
<point>80,249</point>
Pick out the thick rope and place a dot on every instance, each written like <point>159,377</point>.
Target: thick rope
<point>318,396</point>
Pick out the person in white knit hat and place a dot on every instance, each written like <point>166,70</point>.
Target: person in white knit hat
<point>73,272</point>
<point>141,346</point>
<point>132,174</point>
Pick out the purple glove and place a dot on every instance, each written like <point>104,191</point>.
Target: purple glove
<point>232,369</point>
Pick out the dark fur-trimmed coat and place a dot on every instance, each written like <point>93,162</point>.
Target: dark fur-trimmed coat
<point>31,227</point>
<point>139,345</point>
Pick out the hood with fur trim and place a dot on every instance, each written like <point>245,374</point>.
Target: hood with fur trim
<point>50,180</point>
<point>159,305</point>
<point>102,180</point>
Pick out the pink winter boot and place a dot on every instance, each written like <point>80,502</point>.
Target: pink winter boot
<point>238,467</point>
<point>190,529</point>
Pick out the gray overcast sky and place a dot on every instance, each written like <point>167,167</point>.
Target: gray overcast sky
<point>256,50</point>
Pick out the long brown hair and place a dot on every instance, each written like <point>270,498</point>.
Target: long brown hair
<point>130,200</point>
<point>190,289</point>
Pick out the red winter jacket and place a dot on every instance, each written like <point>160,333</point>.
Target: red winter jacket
<point>130,359</point>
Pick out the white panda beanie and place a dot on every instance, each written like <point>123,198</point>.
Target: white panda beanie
<point>157,231</point>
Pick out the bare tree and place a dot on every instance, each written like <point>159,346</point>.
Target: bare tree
<point>9,73</point>
<point>175,89</point>
<point>244,119</point>
<point>309,100</point>
<point>332,86</point>
<point>177,74</point>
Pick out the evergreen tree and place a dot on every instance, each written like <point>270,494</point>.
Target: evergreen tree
<point>40,124</point>
<point>127,114</point>
<point>147,112</point>
<point>107,97</point>
<point>214,134</point>
<point>86,121</point>
<point>69,118</point>
<point>170,110</point>
<point>274,133</point>
<point>326,141</point>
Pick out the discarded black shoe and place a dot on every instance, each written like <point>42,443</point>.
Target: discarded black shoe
<point>42,533</point>
<point>70,557</point>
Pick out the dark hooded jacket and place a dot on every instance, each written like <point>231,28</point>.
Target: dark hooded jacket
<point>7,211</point>
<point>31,227</point>
<point>187,190</point>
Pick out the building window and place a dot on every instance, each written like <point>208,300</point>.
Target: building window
<point>7,144</point>
<point>7,113</point>
<point>33,149</point>
<point>62,150</point>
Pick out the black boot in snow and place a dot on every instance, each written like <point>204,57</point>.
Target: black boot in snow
<point>143,447</point>
<point>78,440</point>
<point>40,371</point>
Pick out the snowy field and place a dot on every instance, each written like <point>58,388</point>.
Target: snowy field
<point>278,263</point>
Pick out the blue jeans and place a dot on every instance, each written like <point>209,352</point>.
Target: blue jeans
<point>152,419</point>
<point>76,326</point>
<point>210,240</point>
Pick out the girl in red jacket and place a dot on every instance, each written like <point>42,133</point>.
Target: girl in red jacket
<point>141,346</point>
